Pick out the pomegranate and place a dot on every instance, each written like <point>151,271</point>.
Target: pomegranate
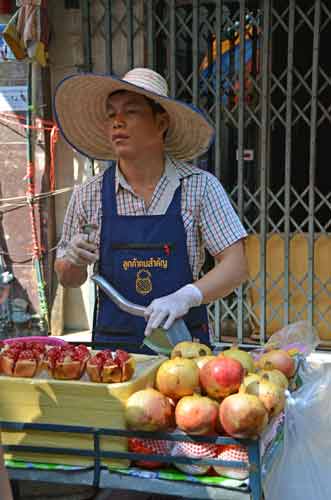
<point>67,362</point>
<point>190,350</point>
<point>107,366</point>
<point>149,410</point>
<point>202,360</point>
<point>275,376</point>
<point>22,359</point>
<point>243,415</point>
<point>197,415</point>
<point>242,356</point>
<point>279,359</point>
<point>270,394</point>
<point>251,377</point>
<point>177,378</point>
<point>221,376</point>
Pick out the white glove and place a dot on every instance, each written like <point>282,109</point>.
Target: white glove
<point>165,310</point>
<point>82,250</point>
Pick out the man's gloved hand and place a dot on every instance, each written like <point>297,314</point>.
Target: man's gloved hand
<point>165,310</point>
<point>82,250</point>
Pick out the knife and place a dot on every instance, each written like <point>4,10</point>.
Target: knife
<point>160,341</point>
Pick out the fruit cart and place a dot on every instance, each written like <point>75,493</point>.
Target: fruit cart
<point>102,477</point>
<point>41,426</point>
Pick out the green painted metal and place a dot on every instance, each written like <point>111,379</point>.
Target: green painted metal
<point>37,256</point>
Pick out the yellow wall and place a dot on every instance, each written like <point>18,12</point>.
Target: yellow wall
<point>275,264</point>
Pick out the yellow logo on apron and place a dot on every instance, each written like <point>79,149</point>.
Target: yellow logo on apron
<point>144,282</point>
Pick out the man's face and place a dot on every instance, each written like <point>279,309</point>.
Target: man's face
<point>132,125</point>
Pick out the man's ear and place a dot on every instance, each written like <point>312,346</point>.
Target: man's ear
<point>163,122</point>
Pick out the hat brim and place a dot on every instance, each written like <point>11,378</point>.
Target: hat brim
<point>80,112</point>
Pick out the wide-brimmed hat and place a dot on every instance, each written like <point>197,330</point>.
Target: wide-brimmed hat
<point>80,111</point>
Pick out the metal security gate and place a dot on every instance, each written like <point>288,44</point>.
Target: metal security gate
<point>260,71</point>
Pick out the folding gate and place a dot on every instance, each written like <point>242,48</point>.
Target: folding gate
<point>260,71</point>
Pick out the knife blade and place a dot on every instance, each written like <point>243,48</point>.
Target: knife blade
<point>161,341</point>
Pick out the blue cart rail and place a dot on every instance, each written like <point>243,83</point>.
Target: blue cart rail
<point>103,477</point>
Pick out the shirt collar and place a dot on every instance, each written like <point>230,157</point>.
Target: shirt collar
<point>174,171</point>
<point>170,174</point>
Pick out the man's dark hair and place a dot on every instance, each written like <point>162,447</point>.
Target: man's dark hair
<point>156,107</point>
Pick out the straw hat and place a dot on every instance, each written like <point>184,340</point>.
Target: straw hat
<point>80,111</point>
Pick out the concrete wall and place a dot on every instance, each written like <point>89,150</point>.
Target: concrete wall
<point>72,308</point>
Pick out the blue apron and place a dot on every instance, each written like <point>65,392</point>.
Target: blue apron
<point>144,257</point>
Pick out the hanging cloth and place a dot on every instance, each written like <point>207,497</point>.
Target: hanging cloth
<point>27,32</point>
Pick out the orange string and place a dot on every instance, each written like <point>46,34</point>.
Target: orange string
<point>30,192</point>
<point>53,141</point>
<point>46,125</point>
<point>30,175</point>
<point>17,116</point>
<point>36,247</point>
<point>23,125</point>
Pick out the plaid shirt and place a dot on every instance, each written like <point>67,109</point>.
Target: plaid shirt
<point>209,219</point>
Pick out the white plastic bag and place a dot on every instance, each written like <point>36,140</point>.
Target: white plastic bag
<point>301,468</point>
<point>299,336</point>
<point>296,338</point>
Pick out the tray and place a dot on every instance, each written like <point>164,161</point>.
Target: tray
<point>80,402</point>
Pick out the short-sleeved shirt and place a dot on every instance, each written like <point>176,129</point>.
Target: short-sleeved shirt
<point>209,219</point>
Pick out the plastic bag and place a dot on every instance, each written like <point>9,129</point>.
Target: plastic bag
<point>300,470</point>
<point>298,338</point>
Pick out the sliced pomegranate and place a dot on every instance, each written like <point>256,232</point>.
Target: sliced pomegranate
<point>20,362</point>
<point>67,362</point>
<point>109,367</point>
<point>26,364</point>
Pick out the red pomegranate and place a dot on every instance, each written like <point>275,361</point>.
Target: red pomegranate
<point>243,415</point>
<point>202,360</point>
<point>221,377</point>
<point>149,410</point>
<point>197,415</point>
<point>278,359</point>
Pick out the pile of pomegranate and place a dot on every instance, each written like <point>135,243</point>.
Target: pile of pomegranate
<point>64,362</point>
<point>228,394</point>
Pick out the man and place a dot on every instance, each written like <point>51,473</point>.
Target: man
<point>153,215</point>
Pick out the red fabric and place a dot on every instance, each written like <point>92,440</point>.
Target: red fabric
<point>151,447</point>
<point>5,7</point>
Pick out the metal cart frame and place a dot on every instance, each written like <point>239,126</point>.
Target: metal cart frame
<point>103,477</point>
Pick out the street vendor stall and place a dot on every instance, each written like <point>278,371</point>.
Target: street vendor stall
<point>113,434</point>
